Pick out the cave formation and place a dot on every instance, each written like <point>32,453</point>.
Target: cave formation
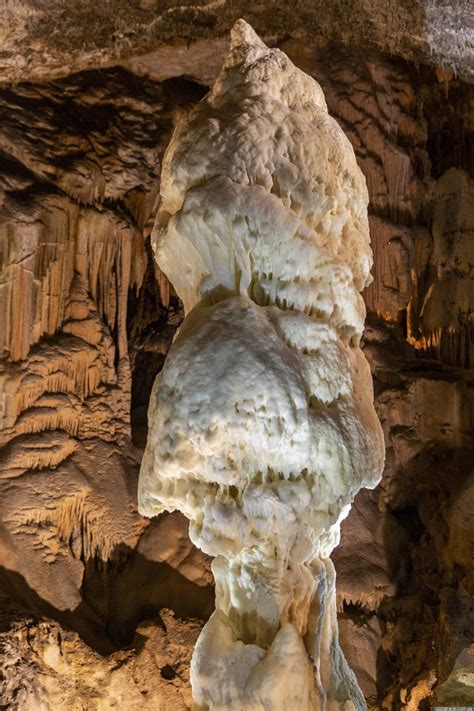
<point>102,606</point>
<point>261,423</point>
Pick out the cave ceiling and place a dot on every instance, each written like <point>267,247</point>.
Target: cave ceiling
<point>42,39</point>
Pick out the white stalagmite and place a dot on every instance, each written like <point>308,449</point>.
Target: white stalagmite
<point>262,427</point>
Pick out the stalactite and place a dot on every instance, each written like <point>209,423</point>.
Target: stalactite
<point>35,453</point>
<point>75,518</point>
<point>38,262</point>
<point>441,313</point>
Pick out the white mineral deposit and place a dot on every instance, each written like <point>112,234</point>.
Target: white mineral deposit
<point>262,427</point>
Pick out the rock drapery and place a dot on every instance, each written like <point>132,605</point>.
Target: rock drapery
<point>74,265</point>
<point>262,427</point>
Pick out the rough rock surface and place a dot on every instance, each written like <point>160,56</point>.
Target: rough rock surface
<point>46,38</point>
<point>74,263</point>
<point>46,667</point>
<point>262,425</point>
<point>82,155</point>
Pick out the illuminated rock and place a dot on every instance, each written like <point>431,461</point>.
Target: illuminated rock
<point>262,427</point>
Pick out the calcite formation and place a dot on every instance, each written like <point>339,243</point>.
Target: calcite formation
<point>262,427</point>
<point>441,316</point>
<point>72,258</point>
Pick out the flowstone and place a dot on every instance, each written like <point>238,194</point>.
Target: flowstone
<point>262,427</point>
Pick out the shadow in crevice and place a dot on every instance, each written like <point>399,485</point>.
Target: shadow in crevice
<point>132,605</point>
<point>124,597</point>
<point>17,595</point>
<point>431,499</point>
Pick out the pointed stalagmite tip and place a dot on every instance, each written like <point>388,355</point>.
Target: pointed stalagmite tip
<point>243,33</point>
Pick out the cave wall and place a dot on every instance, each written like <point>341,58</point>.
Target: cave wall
<point>86,321</point>
<point>84,312</point>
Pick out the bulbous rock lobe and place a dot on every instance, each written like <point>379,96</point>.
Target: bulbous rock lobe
<point>261,194</point>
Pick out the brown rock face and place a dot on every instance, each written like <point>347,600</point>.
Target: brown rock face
<point>86,320</point>
<point>46,38</point>
<point>52,668</point>
<point>76,199</point>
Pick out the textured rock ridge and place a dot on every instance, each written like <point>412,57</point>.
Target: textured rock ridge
<point>262,427</point>
<point>49,667</point>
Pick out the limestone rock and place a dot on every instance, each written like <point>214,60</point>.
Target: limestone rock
<point>459,686</point>
<point>361,642</point>
<point>46,667</point>
<point>440,317</point>
<point>83,154</point>
<point>262,427</point>
<point>72,254</point>
<point>52,39</point>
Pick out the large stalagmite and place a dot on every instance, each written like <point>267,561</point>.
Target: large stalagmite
<point>262,427</point>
